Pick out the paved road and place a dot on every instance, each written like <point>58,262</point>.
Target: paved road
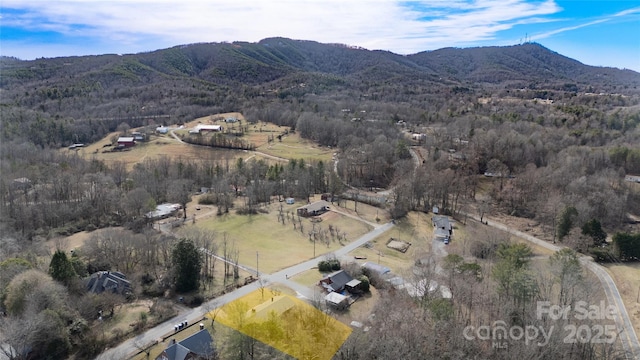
<point>132,346</point>
<point>627,334</point>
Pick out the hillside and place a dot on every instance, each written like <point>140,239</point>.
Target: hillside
<point>55,101</point>
<point>275,58</point>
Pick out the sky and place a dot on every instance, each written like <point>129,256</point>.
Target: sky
<point>594,32</point>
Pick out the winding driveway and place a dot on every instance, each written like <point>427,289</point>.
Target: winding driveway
<point>626,332</point>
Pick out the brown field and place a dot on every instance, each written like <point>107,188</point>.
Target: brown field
<point>627,278</point>
<point>291,146</point>
<point>159,146</point>
<point>415,229</point>
<point>277,245</point>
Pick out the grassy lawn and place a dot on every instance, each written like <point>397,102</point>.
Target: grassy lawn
<point>279,246</point>
<point>415,228</point>
<point>308,278</point>
<point>293,146</point>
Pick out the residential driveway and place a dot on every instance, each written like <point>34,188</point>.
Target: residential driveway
<point>132,346</point>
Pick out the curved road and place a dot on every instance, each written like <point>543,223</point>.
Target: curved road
<point>130,347</point>
<point>626,332</point>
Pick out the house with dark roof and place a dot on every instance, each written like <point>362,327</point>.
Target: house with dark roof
<point>111,281</point>
<point>339,281</point>
<point>442,227</point>
<point>314,209</point>
<point>195,347</point>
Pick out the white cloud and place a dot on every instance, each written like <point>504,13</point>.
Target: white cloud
<point>400,27</point>
<point>547,34</point>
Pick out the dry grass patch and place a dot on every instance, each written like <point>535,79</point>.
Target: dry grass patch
<point>126,316</point>
<point>415,228</point>
<point>158,146</point>
<point>309,278</point>
<point>293,146</point>
<point>278,245</point>
<point>364,211</point>
<point>360,310</point>
<point>627,278</point>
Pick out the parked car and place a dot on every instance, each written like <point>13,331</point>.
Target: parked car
<point>446,241</point>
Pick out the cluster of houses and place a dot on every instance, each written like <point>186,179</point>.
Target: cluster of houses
<point>339,286</point>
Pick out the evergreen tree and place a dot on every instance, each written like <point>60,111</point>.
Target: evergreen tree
<point>186,264</point>
<point>565,223</point>
<point>594,229</point>
<point>61,268</point>
<point>627,246</point>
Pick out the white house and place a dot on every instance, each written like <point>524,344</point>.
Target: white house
<point>162,129</point>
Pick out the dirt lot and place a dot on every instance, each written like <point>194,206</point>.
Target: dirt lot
<point>415,229</point>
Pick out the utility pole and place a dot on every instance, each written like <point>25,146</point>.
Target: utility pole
<point>314,239</point>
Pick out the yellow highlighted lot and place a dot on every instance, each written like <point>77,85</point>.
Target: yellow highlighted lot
<point>284,323</point>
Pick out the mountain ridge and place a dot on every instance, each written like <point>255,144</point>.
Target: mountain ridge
<point>275,58</point>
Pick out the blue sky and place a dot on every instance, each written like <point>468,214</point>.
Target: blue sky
<point>601,33</point>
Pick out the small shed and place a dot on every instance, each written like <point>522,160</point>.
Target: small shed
<point>138,136</point>
<point>375,268</point>
<point>337,301</point>
<point>290,200</point>
<point>162,129</point>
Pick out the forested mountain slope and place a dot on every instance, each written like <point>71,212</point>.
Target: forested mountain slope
<point>518,130</point>
<point>193,80</point>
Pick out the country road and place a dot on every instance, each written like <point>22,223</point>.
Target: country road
<point>627,334</point>
<point>130,347</point>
